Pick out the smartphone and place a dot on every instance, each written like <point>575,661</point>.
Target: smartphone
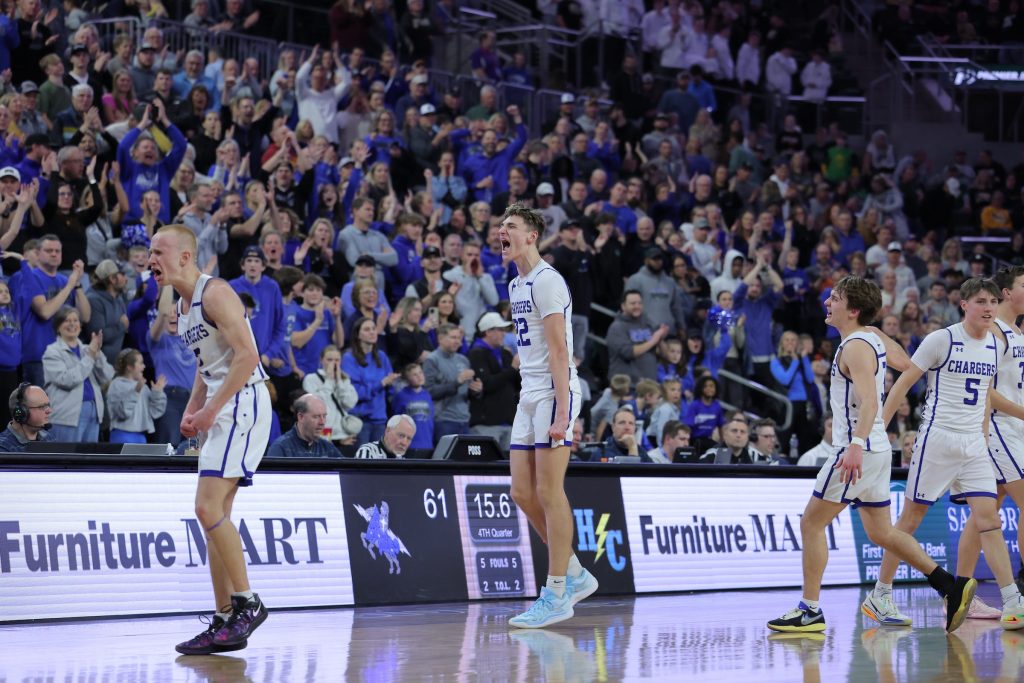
<point>432,314</point>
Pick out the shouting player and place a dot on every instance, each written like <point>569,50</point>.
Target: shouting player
<point>950,453</point>
<point>548,405</point>
<point>859,472</point>
<point>230,405</point>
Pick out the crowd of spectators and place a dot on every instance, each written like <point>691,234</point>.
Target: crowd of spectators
<point>354,206</point>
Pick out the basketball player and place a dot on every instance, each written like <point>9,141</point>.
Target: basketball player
<point>1006,428</point>
<point>230,406</point>
<point>950,453</point>
<point>548,405</point>
<point>863,460</point>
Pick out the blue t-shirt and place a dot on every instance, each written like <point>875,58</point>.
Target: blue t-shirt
<point>417,404</point>
<point>10,338</point>
<point>172,359</point>
<point>36,333</point>
<point>307,358</point>
<point>703,418</point>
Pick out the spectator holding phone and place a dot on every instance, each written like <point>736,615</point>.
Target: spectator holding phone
<point>476,288</point>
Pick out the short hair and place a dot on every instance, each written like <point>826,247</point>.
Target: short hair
<point>673,427</point>
<point>628,292</point>
<point>287,277</point>
<point>409,219</point>
<point>396,420</point>
<point>621,384</point>
<point>647,386</point>
<point>314,281</point>
<point>623,409</point>
<point>327,349</point>
<point>409,367</point>
<point>1005,277</point>
<point>49,237</point>
<point>533,219</point>
<point>446,328</point>
<point>360,202</point>
<point>61,315</point>
<point>976,285</point>
<point>65,152</point>
<point>185,238</point>
<point>81,88</point>
<point>301,404</point>
<point>861,295</point>
<point>763,422</point>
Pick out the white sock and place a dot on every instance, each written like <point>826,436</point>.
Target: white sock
<point>556,584</point>
<point>882,588</point>
<point>1009,594</point>
<point>223,615</point>
<point>244,594</point>
<point>575,568</point>
<point>810,604</point>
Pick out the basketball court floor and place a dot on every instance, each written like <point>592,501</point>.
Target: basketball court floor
<point>701,637</point>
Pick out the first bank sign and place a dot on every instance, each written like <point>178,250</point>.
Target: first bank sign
<point>700,534</point>
<point>76,544</point>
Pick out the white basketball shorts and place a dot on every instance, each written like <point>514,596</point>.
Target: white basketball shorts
<point>238,438</point>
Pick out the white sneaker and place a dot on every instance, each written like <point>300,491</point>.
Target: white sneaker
<point>547,610</point>
<point>882,609</point>
<point>580,587</point>
<point>980,610</point>
<point>1012,616</point>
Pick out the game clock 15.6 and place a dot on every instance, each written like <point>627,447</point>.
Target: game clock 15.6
<point>493,515</point>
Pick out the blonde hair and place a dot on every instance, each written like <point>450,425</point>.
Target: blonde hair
<point>185,239</point>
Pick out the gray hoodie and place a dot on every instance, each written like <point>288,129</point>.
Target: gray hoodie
<point>623,333</point>
<point>451,399</point>
<point>661,305</point>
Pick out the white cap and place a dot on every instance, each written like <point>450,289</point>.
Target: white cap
<point>427,109</point>
<point>895,246</point>
<point>490,321</point>
<point>345,161</point>
<point>10,172</point>
<point>568,98</point>
<point>419,79</point>
<point>545,188</point>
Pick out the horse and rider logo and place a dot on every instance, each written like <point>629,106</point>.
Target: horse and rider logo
<point>378,535</point>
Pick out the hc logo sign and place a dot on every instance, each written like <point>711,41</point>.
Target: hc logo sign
<point>599,540</point>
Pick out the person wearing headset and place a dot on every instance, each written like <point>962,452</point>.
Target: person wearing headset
<point>30,416</point>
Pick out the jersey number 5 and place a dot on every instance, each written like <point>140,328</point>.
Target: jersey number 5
<point>522,329</point>
<point>971,387</point>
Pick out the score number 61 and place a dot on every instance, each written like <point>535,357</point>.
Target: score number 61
<point>434,503</point>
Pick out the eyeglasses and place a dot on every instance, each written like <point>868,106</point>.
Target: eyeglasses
<point>44,406</point>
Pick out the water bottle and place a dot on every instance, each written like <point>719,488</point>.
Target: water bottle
<point>794,448</point>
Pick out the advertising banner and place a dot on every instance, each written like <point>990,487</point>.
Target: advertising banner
<point>718,533</point>
<point>404,537</point>
<point>80,544</point>
<point>600,540</point>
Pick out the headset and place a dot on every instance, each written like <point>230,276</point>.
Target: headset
<point>20,413</point>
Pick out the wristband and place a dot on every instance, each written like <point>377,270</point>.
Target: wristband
<point>857,441</point>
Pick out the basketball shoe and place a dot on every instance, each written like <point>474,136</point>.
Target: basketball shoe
<point>1012,618</point>
<point>203,643</point>
<point>246,616</point>
<point>958,602</point>
<point>547,610</point>
<point>979,609</point>
<point>580,587</point>
<point>882,609</point>
<point>800,619</point>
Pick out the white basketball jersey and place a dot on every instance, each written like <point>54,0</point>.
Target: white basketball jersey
<point>533,297</point>
<point>213,353</point>
<point>1009,380</point>
<point>960,369</point>
<point>843,396</point>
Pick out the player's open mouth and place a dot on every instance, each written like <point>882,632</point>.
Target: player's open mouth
<point>505,245</point>
<point>157,272</point>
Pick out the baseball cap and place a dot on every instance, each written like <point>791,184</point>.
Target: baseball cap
<point>568,98</point>
<point>490,321</point>
<point>29,87</point>
<point>147,46</point>
<point>105,269</point>
<point>661,115</point>
<point>10,172</point>
<point>345,161</point>
<point>545,188</point>
<point>979,258</point>
<point>571,224</point>
<point>419,79</point>
<point>431,252</point>
<point>895,246</point>
<point>255,252</point>
<point>366,260</point>
<point>427,109</point>
<point>701,223</point>
<point>78,47</point>
<point>647,78</point>
<point>654,252</point>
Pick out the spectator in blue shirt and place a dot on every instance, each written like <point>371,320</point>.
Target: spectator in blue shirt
<point>9,39</point>
<point>757,302</point>
<point>10,346</point>
<point>484,61</point>
<point>267,320</point>
<point>681,102</point>
<point>175,361</point>
<point>701,89</point>
<point>304,440</point>
<point>486,171</point>
<point>705,415</point>
<point>370,371</point>
<point>313,325</point>
<point>850,240</point>
<point>415,401</point>
<point>142,169</point>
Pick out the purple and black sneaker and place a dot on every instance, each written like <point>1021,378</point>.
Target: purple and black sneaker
<point>246,616</point>
<point>203,643</point>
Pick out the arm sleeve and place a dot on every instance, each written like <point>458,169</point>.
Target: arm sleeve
<point>157,403</point>
<point>933,351</point>
<point>784,375</point>
<point>120,402</point>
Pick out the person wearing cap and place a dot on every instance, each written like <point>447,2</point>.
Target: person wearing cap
<point>426,140</point>
<point>651,142</point>
<point>109,307</point>
<point>573,258</point>
<point>566,107</point>
<point>554,215</point>
<point>143,69</point>
<point>894,263</point>
<point>267,320</point>
<point>417,96</point>
<point>318,99</point>
<point>662,305</point>
<point>30,122</point>
<point>432,281</point>
<point>80,73</point>
<point>492,410</point>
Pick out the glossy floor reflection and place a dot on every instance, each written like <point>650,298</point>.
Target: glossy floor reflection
<point>705,637</point>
